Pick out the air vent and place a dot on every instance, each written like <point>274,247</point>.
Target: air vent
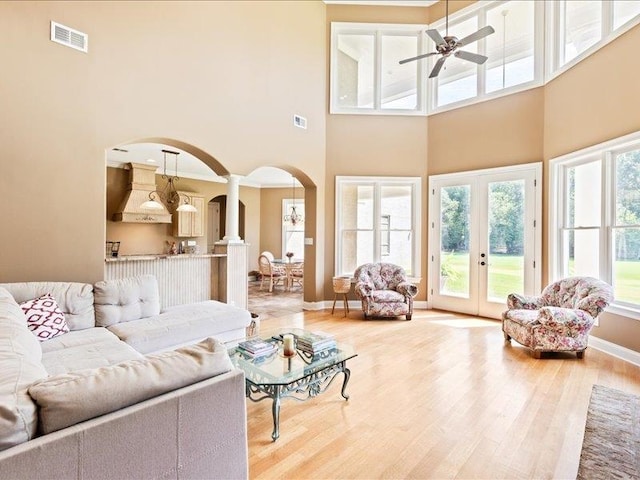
<point>300,121</point>
<point>69,37</point>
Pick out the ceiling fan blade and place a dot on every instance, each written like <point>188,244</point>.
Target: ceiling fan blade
<point>416,58</point>
<point>436,37</point>
<point>483,32</point>
<point>471,57</point>
<point>437,67</point>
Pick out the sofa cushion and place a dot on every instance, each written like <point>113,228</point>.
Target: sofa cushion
<point>71,398</point>
<point>88,355</point>
<point>44,317</point>
<point>87,336</point>
<point>126,299</point>
<point>20,366</point>
<point>74,299</point>
<point>182,324</point>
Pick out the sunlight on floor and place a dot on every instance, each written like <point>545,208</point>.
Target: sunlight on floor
<point>467,322</point>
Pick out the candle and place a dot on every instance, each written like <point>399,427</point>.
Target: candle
<point>287,343</point>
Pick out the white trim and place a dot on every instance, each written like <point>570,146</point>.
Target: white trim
<point>615,350</point>
<point>376,182</point>
<point>553,52</point>
<point>547,40</point>
<point>601,152</point>
<point>377,31</point>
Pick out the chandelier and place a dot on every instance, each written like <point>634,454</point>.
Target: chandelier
<point>169,196</point>
<point>293,218</point>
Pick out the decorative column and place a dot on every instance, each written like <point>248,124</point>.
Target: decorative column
<point>232,218</point>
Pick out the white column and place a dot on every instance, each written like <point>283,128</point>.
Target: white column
<point>232,218</point>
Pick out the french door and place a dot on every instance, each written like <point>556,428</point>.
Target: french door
<point>485,238</point>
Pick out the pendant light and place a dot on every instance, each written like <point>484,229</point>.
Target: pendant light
<point>169,197</point>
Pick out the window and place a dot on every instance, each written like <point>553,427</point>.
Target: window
<point>293,235</point>
<point>366,77</point>
<point>514,51</point>
<point>583,26</point>
<point>365,74</point>
<point>378,219</point>
<point>595,217</point>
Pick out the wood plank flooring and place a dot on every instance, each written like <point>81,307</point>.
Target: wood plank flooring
<point>441,396</point>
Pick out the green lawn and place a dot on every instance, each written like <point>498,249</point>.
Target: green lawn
<point>505,276</point>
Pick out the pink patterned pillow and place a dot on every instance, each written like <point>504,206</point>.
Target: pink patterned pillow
<point>44,317</point>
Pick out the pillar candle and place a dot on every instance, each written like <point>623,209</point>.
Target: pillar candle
<point>287,343</point>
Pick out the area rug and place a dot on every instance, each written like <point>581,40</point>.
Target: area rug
<point>611,445</point>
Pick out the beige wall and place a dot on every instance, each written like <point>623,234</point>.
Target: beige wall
<point>224,77</point>
<point>595,101</point>
<point>501,132</point>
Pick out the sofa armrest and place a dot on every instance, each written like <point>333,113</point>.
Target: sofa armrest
<point>199,431</point>
<point>407,289</point>
<point>363,290</point>
<point>516,301</point>
<point>566,321</point>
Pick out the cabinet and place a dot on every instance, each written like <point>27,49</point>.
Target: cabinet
<point>190,224</point>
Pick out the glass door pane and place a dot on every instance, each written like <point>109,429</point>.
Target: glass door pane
<point>455,218</point>
<point>505,256</point>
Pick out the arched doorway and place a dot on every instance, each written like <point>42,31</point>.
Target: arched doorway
<point>217,220</point>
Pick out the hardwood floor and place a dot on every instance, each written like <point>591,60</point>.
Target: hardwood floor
<point>440,396</point>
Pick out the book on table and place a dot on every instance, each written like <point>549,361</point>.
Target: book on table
<point>313,342</point>
<point>256,347</point>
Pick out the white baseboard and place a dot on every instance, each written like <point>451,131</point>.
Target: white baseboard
<point>615,350</point>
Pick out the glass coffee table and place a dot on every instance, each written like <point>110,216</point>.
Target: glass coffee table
<point>301,376</point>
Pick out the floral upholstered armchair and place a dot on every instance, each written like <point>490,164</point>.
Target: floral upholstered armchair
<point>384,290</point>
<point>558,320</point>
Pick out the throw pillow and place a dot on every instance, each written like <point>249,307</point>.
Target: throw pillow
<point>44,317</point>
<point>70,398</point>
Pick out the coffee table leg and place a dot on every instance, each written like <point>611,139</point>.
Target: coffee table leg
<point>347,374</point>
<point>276,415</point>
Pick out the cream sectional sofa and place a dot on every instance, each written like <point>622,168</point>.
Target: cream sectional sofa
<point>128,392</point>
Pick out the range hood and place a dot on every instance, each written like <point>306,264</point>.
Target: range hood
<point>142,181</point>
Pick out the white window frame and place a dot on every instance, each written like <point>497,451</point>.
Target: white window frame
<point>287,203</point>
<point>377,30</point>
<point>548,35</point>
<point>605,152</point>
<point>480,10</point>
<point>416,222</point>
<point>555,33</point>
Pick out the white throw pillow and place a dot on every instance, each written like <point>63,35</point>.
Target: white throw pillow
<point>44,317</point>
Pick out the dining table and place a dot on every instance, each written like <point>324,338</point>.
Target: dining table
<point>289,264</point>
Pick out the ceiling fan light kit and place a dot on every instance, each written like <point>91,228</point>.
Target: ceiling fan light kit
<point>450,44</point>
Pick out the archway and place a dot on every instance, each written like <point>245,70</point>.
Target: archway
<point>217,219</point>
<point>313,283</point>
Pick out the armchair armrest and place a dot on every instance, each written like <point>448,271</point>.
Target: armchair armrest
<point>516,301</point>
<point>363,290</point>
<point>566,321</point>
<point>407,289</point>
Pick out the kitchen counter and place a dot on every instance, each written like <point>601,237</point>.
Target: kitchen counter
<point>135,258</point>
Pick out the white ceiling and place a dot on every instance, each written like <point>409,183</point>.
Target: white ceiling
<point>191,167</point>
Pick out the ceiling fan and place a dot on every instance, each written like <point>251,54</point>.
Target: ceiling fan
<point>448,45</point>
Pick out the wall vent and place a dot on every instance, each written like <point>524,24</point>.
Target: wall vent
<point>300,121</point>
<point>69,37</point>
